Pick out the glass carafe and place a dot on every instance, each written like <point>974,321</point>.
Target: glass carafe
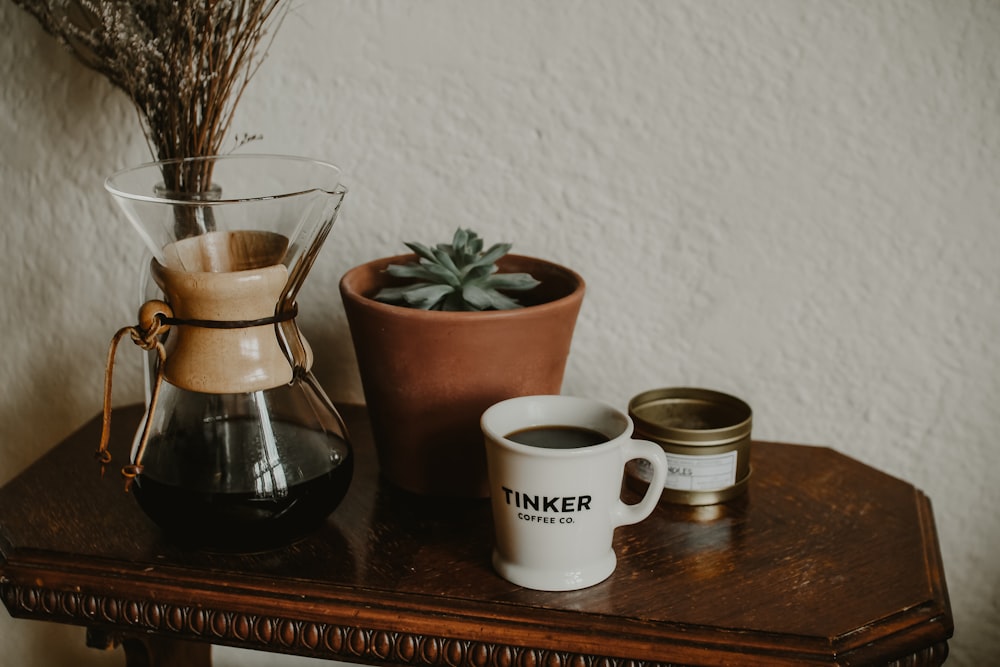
<point>239,449</point>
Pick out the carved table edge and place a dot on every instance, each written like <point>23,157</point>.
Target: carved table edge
<point>281,634</point>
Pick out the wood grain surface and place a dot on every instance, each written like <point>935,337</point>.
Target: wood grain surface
<point>825,561</point>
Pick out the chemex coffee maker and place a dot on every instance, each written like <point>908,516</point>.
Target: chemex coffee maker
<point>239,448</point>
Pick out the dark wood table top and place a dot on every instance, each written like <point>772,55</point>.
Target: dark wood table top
<point>825,561</point>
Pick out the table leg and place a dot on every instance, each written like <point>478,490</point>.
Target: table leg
<point>142,650</point>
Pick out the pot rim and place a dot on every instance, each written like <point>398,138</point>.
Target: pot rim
<point>349,291</point>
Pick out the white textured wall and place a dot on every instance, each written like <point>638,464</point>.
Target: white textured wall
<point>795,201</point>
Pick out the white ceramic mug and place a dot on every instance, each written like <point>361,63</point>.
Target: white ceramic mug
<point>555,466</point>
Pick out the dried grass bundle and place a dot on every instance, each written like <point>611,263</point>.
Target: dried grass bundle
<point>184,64</point>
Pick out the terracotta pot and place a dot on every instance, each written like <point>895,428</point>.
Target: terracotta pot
<point>429,375</point>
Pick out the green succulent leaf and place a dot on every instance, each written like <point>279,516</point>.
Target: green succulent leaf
<point>445,260</point>
<point>477,273</point>
<point>427,296</point>
<point>415,270</point>
<point>487,299</point>
<point>495,252</point>
<point>513,282</point>
<point>443,274</point>
<point>456,276</point>
<point>392,294</point>
<point>461,238</point>
<point>421,250</point>
<point>420,295</point>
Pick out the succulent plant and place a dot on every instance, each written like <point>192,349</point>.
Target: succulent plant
<point>456,276</point>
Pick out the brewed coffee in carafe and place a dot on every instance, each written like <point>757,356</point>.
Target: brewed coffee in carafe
<point>240,448</point>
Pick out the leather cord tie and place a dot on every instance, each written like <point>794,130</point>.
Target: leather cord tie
<point>153,316</point>
<point>284,316</point>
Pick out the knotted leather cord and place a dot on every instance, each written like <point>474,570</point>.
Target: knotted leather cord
<point>289,314</point>
<point>145,334</point>
<point>155,318</point>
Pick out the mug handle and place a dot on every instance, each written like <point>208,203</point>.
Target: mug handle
<point>643,449</point>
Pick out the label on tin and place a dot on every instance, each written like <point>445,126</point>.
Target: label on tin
<point>713,472</point>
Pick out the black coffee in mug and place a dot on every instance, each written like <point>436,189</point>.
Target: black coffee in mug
<point>558,437</point>
<point>556,465</point>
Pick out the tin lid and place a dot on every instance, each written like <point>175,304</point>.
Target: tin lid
<point>687,415</point>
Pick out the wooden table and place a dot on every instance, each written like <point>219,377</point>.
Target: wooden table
<point>824,562</point>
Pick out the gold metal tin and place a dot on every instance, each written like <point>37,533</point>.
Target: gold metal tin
<point>706,436</point>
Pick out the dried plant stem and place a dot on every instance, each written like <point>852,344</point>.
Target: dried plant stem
<point>184,65</point>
